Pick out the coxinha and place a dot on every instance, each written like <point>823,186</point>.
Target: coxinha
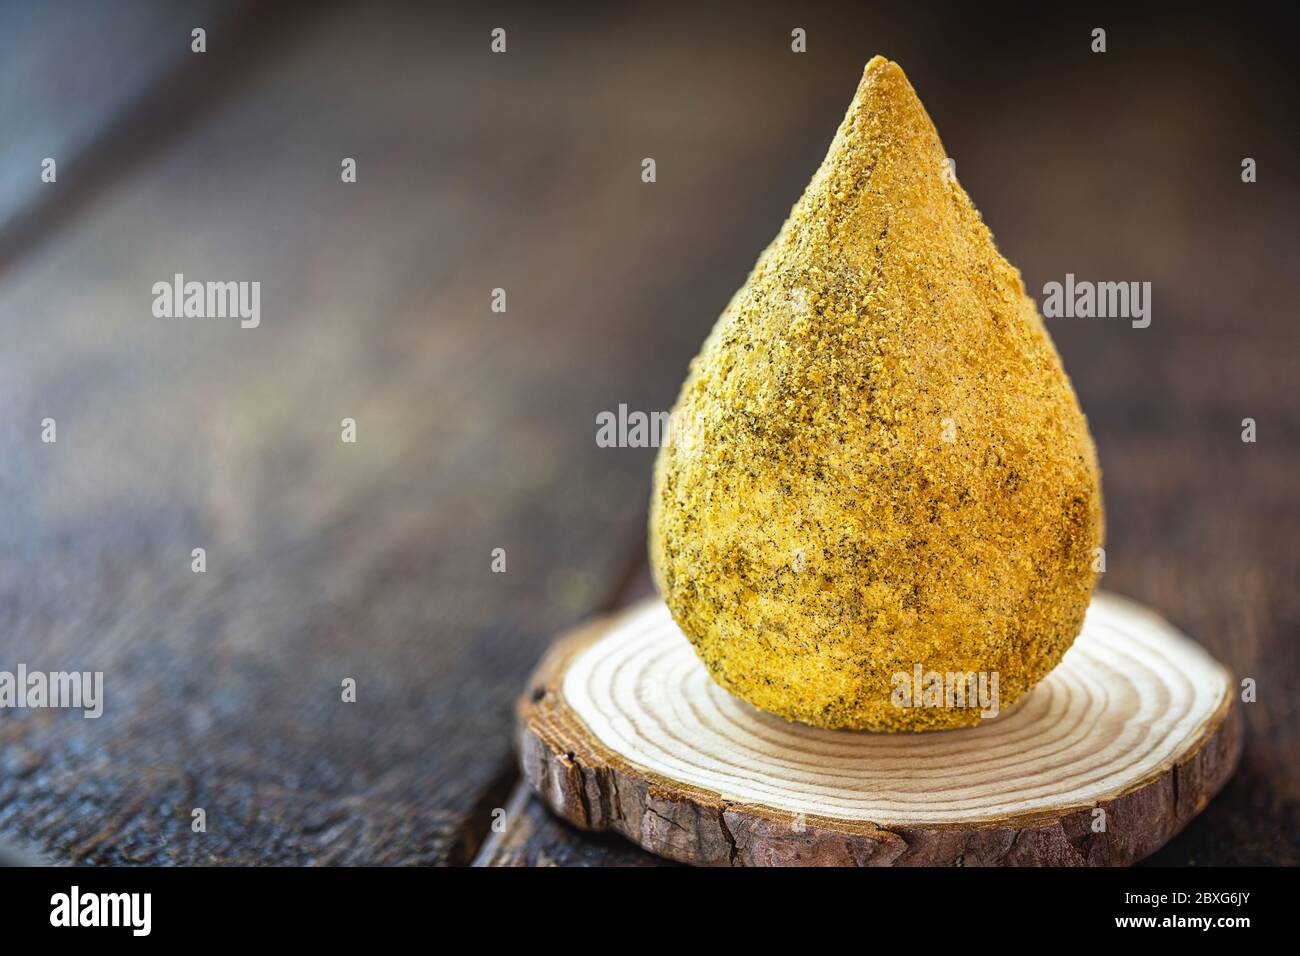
<point>888,467</point>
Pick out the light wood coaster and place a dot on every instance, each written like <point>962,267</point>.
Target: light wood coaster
<point>1125,741</point>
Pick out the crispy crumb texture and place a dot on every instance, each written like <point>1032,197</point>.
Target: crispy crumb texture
<point>877,459</point>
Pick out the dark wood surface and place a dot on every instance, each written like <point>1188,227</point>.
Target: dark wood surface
<point>476,431</point>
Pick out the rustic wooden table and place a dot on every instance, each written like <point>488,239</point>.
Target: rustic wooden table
<point>475,430</point>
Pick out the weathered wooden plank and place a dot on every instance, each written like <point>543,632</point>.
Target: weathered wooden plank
<point>371,560</point>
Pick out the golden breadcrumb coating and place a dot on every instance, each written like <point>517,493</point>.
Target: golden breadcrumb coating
<point>877,459</point>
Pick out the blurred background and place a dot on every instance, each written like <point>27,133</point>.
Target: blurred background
<point>476,430</point>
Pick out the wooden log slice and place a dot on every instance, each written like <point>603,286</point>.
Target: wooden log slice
<point>1110,756</point>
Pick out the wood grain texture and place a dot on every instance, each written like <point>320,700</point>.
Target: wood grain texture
<point>531,835</point>
<point>476,431</point>
<point>622,729</point>
<point>328,560</point>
